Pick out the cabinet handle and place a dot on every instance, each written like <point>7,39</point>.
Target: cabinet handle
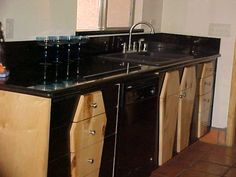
<point>92,132</point>
<point>94,105</point>
<point>152,91</point>
<point>182,95</point>
<point>91,161</point>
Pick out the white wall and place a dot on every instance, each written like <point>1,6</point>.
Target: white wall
<point>58,17</point>
<point>39,17</point>
<point>152,13</point>
<point>194,17</point>
<point>138,11</point>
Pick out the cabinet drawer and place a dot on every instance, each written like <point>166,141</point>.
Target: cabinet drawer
<point>89,105</point>
<point>87,132</point>
<point>208,69</point>
<point>86,160</point>
<point>205,102</point>
<point>206,85</point>
<point>203,122</point>
<point>94,174</point>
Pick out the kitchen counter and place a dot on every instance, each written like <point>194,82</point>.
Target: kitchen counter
<point>31,82</point>
<point>84,113</point>
<point>28,75</point>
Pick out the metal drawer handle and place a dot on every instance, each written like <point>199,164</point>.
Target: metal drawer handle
<point>91,161</point>
<point>92,132</point>
<point>94,105</point>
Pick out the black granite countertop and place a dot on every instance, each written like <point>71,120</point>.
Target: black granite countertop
<point>80,74</point>
<point>36,86</point>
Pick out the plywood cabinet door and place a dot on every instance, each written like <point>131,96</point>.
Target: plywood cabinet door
<point>89,105</point>
<point>206,85</point>
<point>203,122</point>
<point>87,160</point>
<point>205,98</point>
<point>168,115</point>
<point>186,104</point>
<point>205,103</point>
<point>24,135</point>
<point>87,132</point>
<point>87,136</point>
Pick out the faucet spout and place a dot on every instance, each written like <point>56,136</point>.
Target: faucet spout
<point>132,28</point>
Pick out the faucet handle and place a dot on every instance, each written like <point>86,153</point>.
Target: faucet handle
<point>145,46</point>
<point>124,47</point>
<point>140,44</point>
<point>134,46</point>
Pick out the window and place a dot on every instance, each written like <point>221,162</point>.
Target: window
<point>104,14</point>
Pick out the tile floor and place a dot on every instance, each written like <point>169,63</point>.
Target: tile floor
<point>205,158</point>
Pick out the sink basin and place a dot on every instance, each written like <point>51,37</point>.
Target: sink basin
<point>149,58</point>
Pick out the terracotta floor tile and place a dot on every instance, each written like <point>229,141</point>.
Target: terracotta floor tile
<point>211,137</point>
<point>200,160</point>
<point>190,156</point>
<point>192,173</point>
<point>201,146</point>
<point>224,151</point>
<point>219,159</point>
<point>210,168</point>
<point>231,173</point>
<point>170,169</point>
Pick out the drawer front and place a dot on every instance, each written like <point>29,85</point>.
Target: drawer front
<point>205,102</point>
<point>206,85</point>
<point>87,160</point>
<point>94,174</point>
<point>208,69</point>
<point>203,122</point>
<point>87,132</point>
<point>89,105</point>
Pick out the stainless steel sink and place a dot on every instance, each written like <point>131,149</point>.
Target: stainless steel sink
<point>149,58</point>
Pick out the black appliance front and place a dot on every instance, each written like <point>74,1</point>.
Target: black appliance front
<point>137,143</point>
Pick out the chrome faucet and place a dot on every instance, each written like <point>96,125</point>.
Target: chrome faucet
<point>132,28</point>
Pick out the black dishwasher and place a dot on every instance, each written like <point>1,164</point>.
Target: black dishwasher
<point>137,143</point>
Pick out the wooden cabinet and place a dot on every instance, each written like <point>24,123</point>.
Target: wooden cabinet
<point>186,104</point>
<point>86,137</point>
<point>86,160</point>
<point>205,98</point>
<point>24,135</point>
<point>76,135</point>
<point>168,113</point>
<point>88,132</point>
<point>83,124</point>
<point>93,133</point>
<point>89,105</point>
